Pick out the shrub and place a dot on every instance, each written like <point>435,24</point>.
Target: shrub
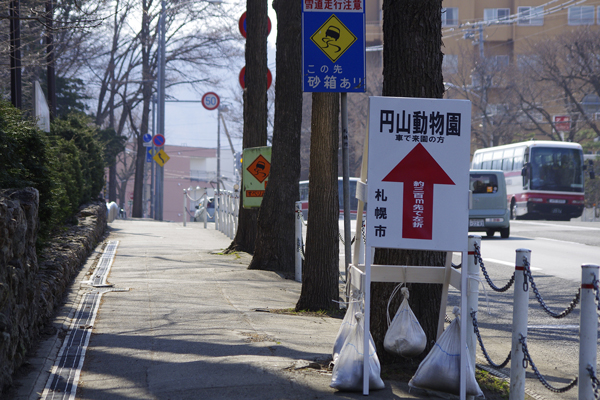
<point>78,129</point>
<point>65,166</point>
<point>24,161</point>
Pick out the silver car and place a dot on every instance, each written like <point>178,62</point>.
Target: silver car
<point>489,210</point>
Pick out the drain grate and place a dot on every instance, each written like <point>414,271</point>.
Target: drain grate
<point>62,383</point>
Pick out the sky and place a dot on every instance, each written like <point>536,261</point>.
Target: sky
<point>191,124</point>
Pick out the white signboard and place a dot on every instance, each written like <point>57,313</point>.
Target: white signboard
<point>418,173</point>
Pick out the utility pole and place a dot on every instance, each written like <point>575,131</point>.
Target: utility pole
<point>160,172</point>
<point>15,54</point>
<point>51,78</point>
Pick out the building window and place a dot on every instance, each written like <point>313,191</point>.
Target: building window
<point>450,64</point>
<point>450,16</point>
<point>532,16</point>
<point>499,15</point>
<point>583,15</point>
<point>501,61</point>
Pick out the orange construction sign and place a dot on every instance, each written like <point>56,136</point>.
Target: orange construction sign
<point>260,168</point>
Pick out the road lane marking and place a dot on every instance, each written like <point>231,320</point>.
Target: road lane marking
<point>561,241</point>
<point>558,327</point>
<point>568,227</point>
<point>510,264</point>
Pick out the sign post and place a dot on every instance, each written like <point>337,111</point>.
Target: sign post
<point>256,167</point>
<point>562,123</point>
<point>333,46</point>
<point>333,60</point>
<point>417,169</point>
<point>211,101</point>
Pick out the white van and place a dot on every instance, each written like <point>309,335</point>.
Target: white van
<point>489,210</point>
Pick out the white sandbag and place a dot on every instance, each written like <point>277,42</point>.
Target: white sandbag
<point>348,370</point>
<point>404,336</point>
<point>440,370</point>
<point>348,323</point>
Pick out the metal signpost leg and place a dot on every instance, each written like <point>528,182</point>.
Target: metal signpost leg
<point>298,274</point>
<point>367,320</point>
<point>184,206</point>
<point>472,297</point>
<point>463,328</point>
<point>588,331</point>
<point>519,328</point>
<point>346,186</point>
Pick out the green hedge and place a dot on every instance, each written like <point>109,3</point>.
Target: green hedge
<point>66,165</point>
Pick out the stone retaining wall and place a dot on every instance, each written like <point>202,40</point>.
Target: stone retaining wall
<point>31,289</point>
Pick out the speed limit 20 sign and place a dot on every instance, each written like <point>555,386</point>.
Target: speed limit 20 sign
<point>210,101</point>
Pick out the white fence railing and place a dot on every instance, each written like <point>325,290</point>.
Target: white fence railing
<point>227,205</point>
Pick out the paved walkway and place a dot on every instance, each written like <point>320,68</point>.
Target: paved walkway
<point>186,322</point>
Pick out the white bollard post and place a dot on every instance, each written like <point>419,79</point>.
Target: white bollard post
<point>230,215</point>
<point>216,211</point>
<point>205,212</point>
<point>588,331</point>
<point>472,296</point>
<point>519,327</point>
<point>222,213</point>
<point>184,205</point>
<point>226,201</point>
<point>298,274</point>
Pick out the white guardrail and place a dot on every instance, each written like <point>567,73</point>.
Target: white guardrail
<point>227,205</point>
<point>588,295</point>
<point>226,210</point>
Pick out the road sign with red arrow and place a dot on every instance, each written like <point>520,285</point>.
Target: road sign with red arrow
<point>418,171</point>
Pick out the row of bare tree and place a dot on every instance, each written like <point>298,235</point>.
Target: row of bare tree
<point>557,75</point>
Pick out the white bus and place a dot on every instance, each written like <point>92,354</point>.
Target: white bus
<point>544,179</point>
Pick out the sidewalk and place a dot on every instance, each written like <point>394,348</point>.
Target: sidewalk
<point>190,323</point>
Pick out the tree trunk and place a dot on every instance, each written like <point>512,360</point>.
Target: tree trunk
<point>138,185</point>
<point>255,110</point>
<point>112,182</point>
<point>320,271</point>
<point>275,246</point>
<point>412,67</point>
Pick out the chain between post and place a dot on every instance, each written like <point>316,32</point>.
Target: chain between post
<point>538,296</point>
<point>485,354</point>
<point>527,359</point>
<point>479,260</point>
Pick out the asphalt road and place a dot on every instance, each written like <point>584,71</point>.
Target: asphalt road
<point>558,249</point>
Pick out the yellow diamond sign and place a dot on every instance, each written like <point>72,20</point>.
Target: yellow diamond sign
<point>161,158</point>
<point>333,38</point>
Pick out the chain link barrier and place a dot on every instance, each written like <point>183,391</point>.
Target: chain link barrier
<point>538,296</point>
<point>343,241</point>
<point>527,360</point>
<point>485,354</point>
<point>597,291</point>
<point>479,260</point>
<point>595,382</point>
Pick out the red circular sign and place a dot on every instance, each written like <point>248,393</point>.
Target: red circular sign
<point>243,78</point>
<point>242,25</point>
<point>158,140</point>
<point>210,101</point>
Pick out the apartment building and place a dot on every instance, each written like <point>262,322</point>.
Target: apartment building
<point>507,27</point>
<point>187,167</point>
